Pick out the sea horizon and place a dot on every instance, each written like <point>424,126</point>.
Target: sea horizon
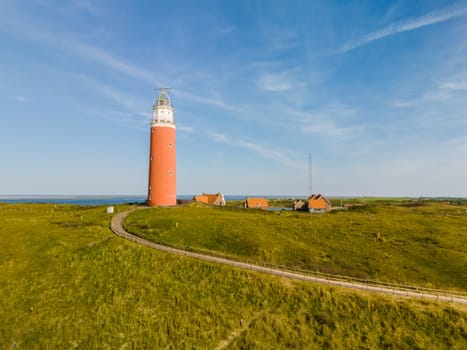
<point>114,199</point>
<point>93,199</point>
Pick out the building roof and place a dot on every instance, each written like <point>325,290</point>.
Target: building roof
<point>318,197</point>
<point>257,202</point>
<point>298,204</point>
<point>318,202</point>
<point>211,199</point>
<point>203,199</point>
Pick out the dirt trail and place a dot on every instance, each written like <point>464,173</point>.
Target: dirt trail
<point>117,227</point>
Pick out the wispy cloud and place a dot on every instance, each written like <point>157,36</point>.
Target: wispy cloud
<point>131,106</point>
<point>265,151</point>
<point>119,97</point>
<point>124,118</point>
<point>276,34</point>
<point>114,62</point>
<point>454,85</point>
<point>225,30</point>
<point>129,109</point>
<point>217,137</point>
<point>185,128</point>
<point>439,109</point>
<point>436,96</point>
<point>405,26</point>
<point>330,129</point>
<point>121,66</point>
<point>444,93</point>
<point>217,102</point>
<point>283,39</point>
<point>282,81</point>
<point>268,152</point>
<point>78,8</point>
<point>335,120</point>
<point>399,103</point>
<point>110,60</point>
<point>18,98</point>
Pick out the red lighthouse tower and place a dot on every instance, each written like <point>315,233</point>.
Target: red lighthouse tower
<point>162,154</point>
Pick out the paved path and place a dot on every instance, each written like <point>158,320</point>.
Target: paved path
<point>117,227</point>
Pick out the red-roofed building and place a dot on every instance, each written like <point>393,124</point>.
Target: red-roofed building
<point>318,203</point>
<point>211,199</point>
<point>256,203</point>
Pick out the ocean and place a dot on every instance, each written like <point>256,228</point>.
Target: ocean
<point>105,200</point>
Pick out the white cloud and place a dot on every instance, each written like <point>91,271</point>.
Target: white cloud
<point>270,82</point>
<point>454,85</point>
<point>404,26</point>
<point>440,111</point>
<point>334,120</point>
<point>265,151</point>
<point>282,39</point>
<point>19,98</point>
<point>446,92</point>
<point>109,60</point>
<point>225,30</point>
<point>120,98</point>
<point>217,102</point>
<point>77,8</point>
<point>132,114</point>
<point>125,119</point>
<point>147,115</point>
<point>276,34</point>
<point>121,66</point>
<point>268,152</point>
<point>131,70</point>
<point>440,172</point>
<point>185,128</point>
<point>221,138</point>
<point>330,129</point>
<point>404,103</point>
<point>277,82</point>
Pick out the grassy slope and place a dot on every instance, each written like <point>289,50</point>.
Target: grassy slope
<point>66,282</point>
<point>396,242</point>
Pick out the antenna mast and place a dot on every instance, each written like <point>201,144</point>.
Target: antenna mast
<point>310,184</point>
<point>161,89</point>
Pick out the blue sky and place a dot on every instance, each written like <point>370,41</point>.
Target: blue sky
<point>376,91</point>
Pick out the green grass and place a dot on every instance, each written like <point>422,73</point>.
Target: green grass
<point>67,282</point>
<point>416,243</point>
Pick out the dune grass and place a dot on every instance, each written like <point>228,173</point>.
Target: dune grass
<point>405,242</point>
<point>67,282</point>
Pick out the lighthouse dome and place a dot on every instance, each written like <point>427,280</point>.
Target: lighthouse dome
<point>163,99</point>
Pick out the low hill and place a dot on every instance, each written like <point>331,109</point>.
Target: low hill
<point>416,243</point>
<point>67,282</point>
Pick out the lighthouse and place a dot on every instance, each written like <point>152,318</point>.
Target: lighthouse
<point>162,154</point>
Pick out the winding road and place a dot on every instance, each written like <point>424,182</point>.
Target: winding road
<point>339,281</point>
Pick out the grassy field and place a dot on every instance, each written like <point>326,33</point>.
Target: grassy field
<point>67,282</point>
<point>417,243</point>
